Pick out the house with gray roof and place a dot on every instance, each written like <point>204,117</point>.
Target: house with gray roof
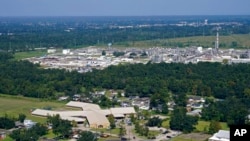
<point>221,135</point>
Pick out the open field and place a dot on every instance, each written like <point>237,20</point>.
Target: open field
<point>14,105</point>
<point>22,55</point>
<point>202,125</point>
<point>191,137</point>
<point>242,41</point>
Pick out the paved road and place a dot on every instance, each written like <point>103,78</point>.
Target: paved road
<point>130,134</point>
<point>164,137</point>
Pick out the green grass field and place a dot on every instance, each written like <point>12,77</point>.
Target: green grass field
<point>204,41</point>
<point>8,139</point>
<point>14,105</point>
<point>23,55</point>
<point>205,124</point>
<point>200,127</point>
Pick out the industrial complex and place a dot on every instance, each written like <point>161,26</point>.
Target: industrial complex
<point>85,59</point>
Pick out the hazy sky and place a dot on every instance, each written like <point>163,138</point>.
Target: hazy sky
<point>122,7</point>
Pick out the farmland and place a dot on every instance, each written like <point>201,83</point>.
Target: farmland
<point>14,105</point>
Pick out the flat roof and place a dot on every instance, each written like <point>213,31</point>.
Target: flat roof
<point>84,105</point>
<point>92,112</point>
<point>96,118</point>
<point>123,110</point>
<point>93,117</point>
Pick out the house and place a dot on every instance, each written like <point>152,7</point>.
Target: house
<point>196,112</point>
<point>125,104</point>
<point>28,123</point>
<point>98,93</point>
<point>221,135</point>
<point>195,99</point>
<point>51,50</point>
<point>76,97</point>
<point>18,124</point>
<point>142,103</point>
<point>63,98</point>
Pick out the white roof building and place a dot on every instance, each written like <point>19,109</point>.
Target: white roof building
<point>93,113</point>
<point>83,105</point>
<point>221,135</point>
<point>123,110</point>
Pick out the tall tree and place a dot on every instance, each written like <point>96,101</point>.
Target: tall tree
<point>111,121</point>
<point>60,126</point>
<point>87,136</point>
<point>21,117</point>
<point>122,131</point>
<point>214,127</point>
<point>182,122</point>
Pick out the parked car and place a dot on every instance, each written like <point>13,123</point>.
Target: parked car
<point>168,137</point>
<point>165,132</point>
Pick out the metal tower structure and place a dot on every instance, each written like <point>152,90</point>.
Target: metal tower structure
<point>217,41</point>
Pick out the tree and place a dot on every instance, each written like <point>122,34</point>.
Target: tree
<point>87,136</point>
<point>225,61</point>
<point>31,134</point>
<point>214,127</point>
<point>111,121</point>
<point>103,53</point>
<point>180,121</point>
<point>122,131</point>
<point>164,108</point>
<point>64,128</point>
<point>132,118</point>
<point>117,54</point>
<point>155,121</point>
<point>105,102</point>
<point>145,131</point>
<point>21,117</point>
<point>234,44</point>
<point>5,56</point>
<point>6,122</point>
<point>60,126</point>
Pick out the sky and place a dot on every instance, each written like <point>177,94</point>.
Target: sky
<point>123,7</point>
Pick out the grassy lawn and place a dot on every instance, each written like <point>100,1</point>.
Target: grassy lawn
<point>23,55</point>
<point>205,124</point>
<point>109,138</point>
<point>191,137</point>
<point>50,135</point>
<point>14,105</point>
<point>107,131</point>
<point>8,139</point>
<point>165,124</point>
<point>154,133</point>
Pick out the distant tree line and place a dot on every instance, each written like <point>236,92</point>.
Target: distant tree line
<point>27,38</point>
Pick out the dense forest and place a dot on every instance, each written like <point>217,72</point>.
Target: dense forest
<point>205,79</point>
<point>21,34</point>
<point>144,80</point>
<point>228,83</point>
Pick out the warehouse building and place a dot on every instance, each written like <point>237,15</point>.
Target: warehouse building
<point>95,116</point>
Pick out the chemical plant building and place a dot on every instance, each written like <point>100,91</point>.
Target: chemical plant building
<point>95,116</point>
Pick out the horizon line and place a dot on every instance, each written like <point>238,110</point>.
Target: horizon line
<point>122,15</point>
